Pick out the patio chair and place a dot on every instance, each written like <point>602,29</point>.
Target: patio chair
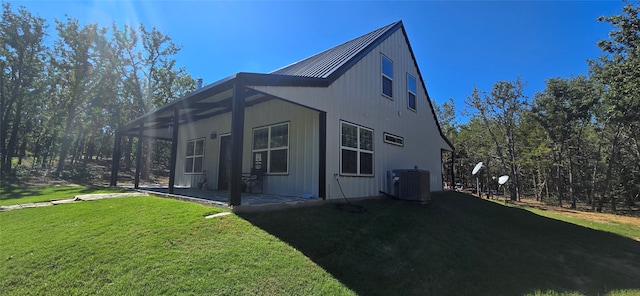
<point>254,179</point>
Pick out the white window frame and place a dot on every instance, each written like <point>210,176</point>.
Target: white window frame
<point>270,149</point>
<point>412,92</point>
<point>385,76</point>
<point>359,150</point>
<point>193,157</point>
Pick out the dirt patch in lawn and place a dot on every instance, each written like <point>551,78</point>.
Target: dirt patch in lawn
<point>631,216</point>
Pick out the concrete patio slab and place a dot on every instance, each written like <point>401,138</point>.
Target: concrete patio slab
<point>97,196</point>
<point>218,197</point>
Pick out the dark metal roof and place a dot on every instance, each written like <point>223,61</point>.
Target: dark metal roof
<point>319,70</point>
<point>322,65</point>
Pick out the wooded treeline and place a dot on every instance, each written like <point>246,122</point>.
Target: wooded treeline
<point>62,97</point>
<point>576,140</point>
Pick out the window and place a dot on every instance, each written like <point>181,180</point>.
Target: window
<point>387,77</point>
<point>195,156</point>
<point>411,92</point>
<point>271,148</point>
<point>356,150</point>
<point>393,139</point>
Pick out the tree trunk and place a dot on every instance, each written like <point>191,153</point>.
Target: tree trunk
<point>612,161</point>
<point>571,192</point>
<point>535,185</point>
<point>2,122</point>
<point>68,138</point>
<point>128,147</point>
<point>22,153</point>
<point>592,188</point>
<point>13,138</point>
<point>559,181</point>
<point>148,152</point>
<point>90,148</point>
<point>546,185</point>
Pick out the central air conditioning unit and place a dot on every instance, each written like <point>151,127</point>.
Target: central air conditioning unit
<point>409,184</point>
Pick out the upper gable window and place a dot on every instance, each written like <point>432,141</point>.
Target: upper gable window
<point>411,92</point>
<point>387,77</point>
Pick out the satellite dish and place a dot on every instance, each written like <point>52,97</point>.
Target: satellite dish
<point>477,168</point>
<point>503,179</point>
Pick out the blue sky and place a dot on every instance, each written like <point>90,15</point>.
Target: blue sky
<point>458,44</point>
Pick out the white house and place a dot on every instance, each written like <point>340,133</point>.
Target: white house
<point>354,111</point>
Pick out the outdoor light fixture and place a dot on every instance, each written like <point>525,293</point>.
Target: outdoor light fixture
<point>213,135</point>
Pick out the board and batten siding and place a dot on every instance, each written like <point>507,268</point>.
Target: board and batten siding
<point>302,177</point>
<point>356,97</point>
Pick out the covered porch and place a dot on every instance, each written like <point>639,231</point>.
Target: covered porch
<point>221,108</point>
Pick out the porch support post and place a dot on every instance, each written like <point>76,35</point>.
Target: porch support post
<point>237,138</point>
<point>138,157</point>
<point>115,161</point>
<point>174,149</point>
<point>322,157</point>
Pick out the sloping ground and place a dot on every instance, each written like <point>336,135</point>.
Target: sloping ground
<point>148,246</point>
<point>458,245</point>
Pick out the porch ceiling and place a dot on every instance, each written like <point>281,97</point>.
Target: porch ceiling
<point>205,103</point>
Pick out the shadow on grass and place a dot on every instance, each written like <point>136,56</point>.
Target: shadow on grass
<point>14,192</point>
<point>458,245</point>
<point>8,192</point>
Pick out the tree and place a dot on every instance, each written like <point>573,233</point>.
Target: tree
<point>74,69</point>
<point>446,115</point>
<point>618,74</point>
<point>503,105</point>
<point>150,78</point>
<point>536,156</point>
<point>22,59</point>
<point>563,109</point>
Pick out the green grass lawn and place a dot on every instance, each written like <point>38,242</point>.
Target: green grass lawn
<point>148,246</point>
<point>11,195</point>
<point>458,245</point>
<point>626,229</point>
